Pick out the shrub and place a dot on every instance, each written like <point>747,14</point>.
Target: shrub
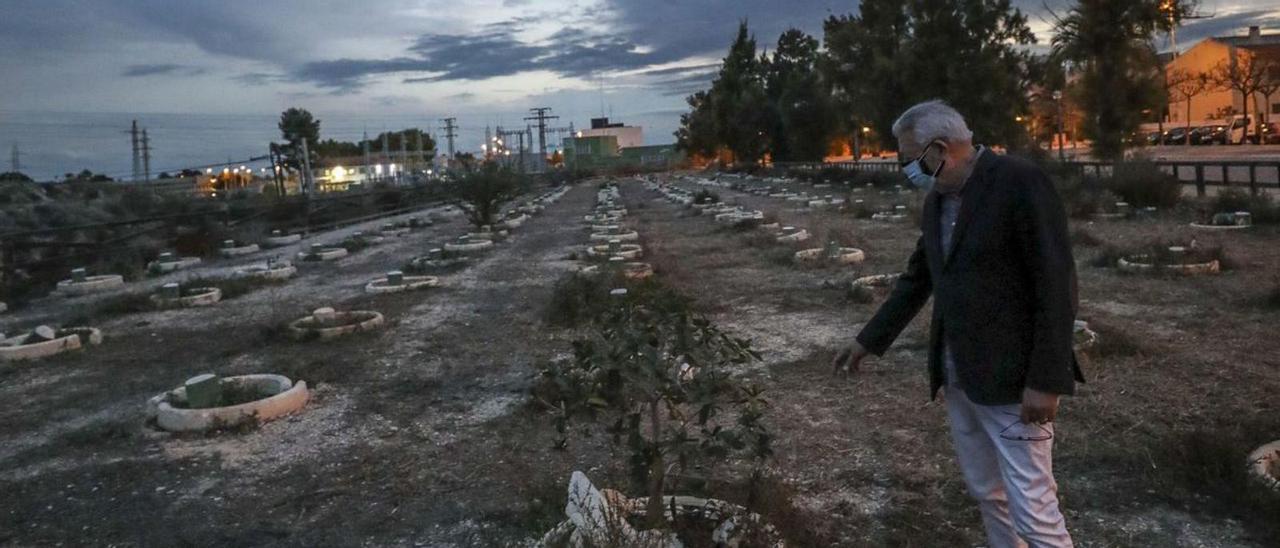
<point>660,372</point>
<point>482,193</point>
<point>1208,462</point>
<point>1260,207</point>
<point>1143,184</point>
<point>704,196</point>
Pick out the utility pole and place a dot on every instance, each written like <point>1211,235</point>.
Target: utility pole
<point>137,159</point>
<point>14,163</point>
<point>146,157</point>
<point>306,168</point>
<point>368,166</point>
<point>540,115</point>
<point>404,156</point>
<point>1057,96</point>
<point>422,155</point>
<point>449,134</point>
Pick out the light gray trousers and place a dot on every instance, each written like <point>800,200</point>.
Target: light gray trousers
<point>1008,469</point>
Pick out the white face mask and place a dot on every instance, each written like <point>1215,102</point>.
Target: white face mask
<point>914,170</point>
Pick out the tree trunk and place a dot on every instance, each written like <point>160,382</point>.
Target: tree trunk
<point>1188,136</point>
<point>657,471</point>
<point>1244,137</point>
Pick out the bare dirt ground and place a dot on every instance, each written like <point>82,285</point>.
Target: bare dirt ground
<point>422,433</point>
<point>873,453</point>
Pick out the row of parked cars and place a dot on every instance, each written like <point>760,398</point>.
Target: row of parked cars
<point>1230,133</point>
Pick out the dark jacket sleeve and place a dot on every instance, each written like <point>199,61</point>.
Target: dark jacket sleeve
<point>1045,249</point>
<point>909,294</point>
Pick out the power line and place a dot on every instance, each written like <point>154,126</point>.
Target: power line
<point>146,156</point>
<point>540,115</point>
<point>449,133</point>
<point>133,141</point>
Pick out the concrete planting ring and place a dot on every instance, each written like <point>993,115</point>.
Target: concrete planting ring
<point>628,236</point>
<point>197,296</point>
<point>91,284</point>
<point>278,241</point>
<point>66,339</point>
<point>409,283</point>
<point>626,251</point>
<point>843,255</point>
<point>1264,462</point>
<point>236,251</point>
<point>337,325</point>
<point>282,271</point>
<point>468,246</point>
<point>280,397</point>
<point>876,280</point>
<point>1137,263</point>
<point>790,235</point>
<point>164,267</point>
<point>323,254</point>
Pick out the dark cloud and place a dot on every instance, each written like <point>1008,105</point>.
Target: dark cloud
<point>150,70</point>
<point>258,78</point>
<point>496,51</point>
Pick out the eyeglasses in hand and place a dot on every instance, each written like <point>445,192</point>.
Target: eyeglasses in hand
<point>1021,431</point>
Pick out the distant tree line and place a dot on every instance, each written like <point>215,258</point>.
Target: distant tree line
<point>297,125</point>
<point>802,101</point>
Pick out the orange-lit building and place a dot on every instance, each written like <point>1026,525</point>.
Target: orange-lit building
<point>1215,103</point>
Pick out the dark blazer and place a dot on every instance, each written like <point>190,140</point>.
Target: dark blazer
<point>1004,298</point>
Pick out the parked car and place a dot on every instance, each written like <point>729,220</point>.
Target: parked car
<point>1201,135</point>
<point>1216,135</point>
<point>1270,134</point>
<point>1153,138</point>
<point>1175,136</point>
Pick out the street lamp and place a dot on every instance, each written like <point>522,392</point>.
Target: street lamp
<point>1057,97</point>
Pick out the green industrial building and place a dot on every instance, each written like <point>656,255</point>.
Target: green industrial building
<point>601,151</point>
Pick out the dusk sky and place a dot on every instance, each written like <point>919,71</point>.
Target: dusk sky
<point>369,62</point>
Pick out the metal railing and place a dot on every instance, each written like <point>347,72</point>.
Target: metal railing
<point>1256,175</point>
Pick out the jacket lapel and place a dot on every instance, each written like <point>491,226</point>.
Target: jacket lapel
<point>970,196</point>
<point>930,230</point>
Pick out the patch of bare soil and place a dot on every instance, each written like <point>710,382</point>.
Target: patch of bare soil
<point>422,433</point>
<point>871,457</point>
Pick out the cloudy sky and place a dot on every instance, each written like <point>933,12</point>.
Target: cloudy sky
<point>483,61</point>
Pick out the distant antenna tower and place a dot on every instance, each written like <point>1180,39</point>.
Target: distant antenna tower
<point>14,163</point>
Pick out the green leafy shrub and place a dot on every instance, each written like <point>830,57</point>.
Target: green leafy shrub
<point>660,375</point>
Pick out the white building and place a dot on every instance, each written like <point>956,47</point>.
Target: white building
<point>628,136</point>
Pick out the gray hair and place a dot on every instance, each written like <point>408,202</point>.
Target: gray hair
<point>931,120</point>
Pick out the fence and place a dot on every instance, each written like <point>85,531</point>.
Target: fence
<point>1256,175</point>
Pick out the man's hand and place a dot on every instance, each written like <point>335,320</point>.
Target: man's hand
<point>1038,407</point>
<point>849,359</point>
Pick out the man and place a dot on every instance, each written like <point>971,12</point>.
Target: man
<point>995,255</point>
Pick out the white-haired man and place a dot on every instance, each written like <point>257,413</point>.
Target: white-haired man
<point>995,255</point>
